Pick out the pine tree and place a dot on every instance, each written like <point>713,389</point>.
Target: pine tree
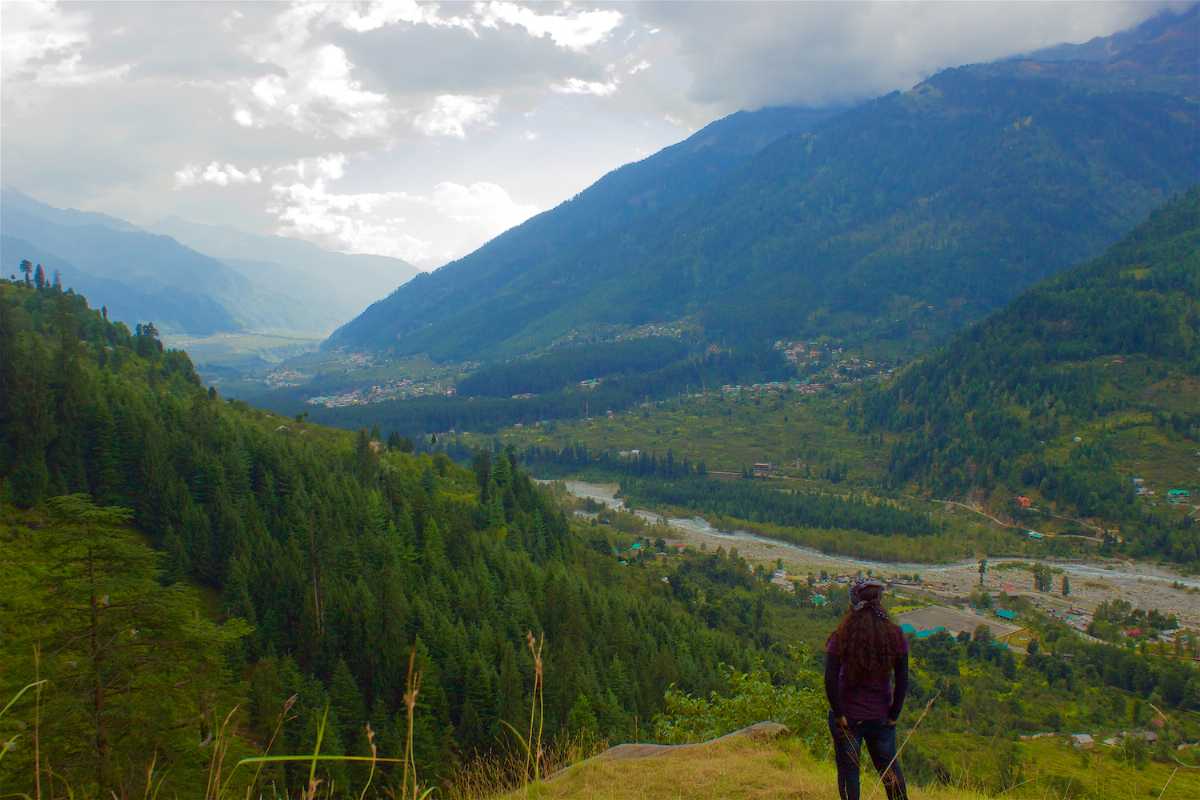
<point>39,277</point>
<point>346,699</point>
<point>581,720</point>
<point>134,670</point>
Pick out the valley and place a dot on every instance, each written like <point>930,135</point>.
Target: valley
<point>505,400</point>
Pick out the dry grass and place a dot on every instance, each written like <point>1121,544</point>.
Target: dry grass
<point>738,768</point>
<point>498,773</point>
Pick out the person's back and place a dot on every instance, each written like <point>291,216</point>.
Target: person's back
<point>862,657</point>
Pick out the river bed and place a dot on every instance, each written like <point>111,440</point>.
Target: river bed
<point>1144,585</point>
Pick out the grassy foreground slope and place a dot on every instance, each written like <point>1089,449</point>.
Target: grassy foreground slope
<point>1082,384</point>
<point>744,768</point>
<point>736,768</point>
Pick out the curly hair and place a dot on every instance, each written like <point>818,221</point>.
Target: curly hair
<point>865,642</point>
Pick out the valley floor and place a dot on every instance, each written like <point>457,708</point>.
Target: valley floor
<point>1093,582</point>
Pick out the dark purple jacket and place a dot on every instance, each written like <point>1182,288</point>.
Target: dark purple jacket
<point>877,699</point>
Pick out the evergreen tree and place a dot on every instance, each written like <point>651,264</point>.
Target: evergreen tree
<point>133,668</point>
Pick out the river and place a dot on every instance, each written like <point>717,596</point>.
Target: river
<point>606,494</point>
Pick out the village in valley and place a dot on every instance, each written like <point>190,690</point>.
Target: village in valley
<point>1005,605</point>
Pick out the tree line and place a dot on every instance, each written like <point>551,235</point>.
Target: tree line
<point>756,502</point>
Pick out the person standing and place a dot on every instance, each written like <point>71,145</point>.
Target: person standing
<point>866,679</point>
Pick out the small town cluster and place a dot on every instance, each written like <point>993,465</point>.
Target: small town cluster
<point>615,333</point>
<point>831,362</point>
<point>399,389</point>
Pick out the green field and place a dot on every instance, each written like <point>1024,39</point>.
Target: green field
<point>801,436</point>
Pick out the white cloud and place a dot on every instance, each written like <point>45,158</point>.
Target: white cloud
<point>331,166</point>
<point>361,18</point>
<point>215,173</point>
<point>452,114</point>
<point>47,42</point>
<point>746,55</point>
<point>308,86</point>
<point>579,86</point>
<point>575,30</point>
<point>485,204</point>
<point>639,67</point>
<point>356,222</point>
<point>453,218</point>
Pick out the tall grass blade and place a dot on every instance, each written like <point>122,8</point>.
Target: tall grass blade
<point>19,694</point>
<point>899,750</point>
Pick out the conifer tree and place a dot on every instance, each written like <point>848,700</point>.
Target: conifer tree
<point>133,669</point>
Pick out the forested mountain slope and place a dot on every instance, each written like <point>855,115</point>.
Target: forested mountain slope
<point>1083,383</point>
<point>905,217</point>
<point>480,293</point>
<point>339,554</point>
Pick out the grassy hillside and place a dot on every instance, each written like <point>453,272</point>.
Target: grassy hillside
<point>738,768</point>
<point>901,219</point>
<point>741,768</point>
<point>1082,384</point>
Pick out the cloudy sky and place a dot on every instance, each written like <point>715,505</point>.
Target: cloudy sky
<point>422,130</point>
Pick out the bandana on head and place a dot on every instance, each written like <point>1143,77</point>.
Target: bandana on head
<point>859,599</point>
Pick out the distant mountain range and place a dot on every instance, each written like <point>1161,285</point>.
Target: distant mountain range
<point>197,279</point>
<point>898,221</point>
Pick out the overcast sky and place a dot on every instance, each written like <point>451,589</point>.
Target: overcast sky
<point>421,131</point>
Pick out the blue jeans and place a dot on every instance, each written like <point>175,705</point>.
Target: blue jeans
<point>881,744</point>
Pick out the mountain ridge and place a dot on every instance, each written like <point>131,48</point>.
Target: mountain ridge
<point>852,225</point>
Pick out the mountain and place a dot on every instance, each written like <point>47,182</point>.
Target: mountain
<point>605,211</point>
<point>140,276</point>
<point>1083,383</point>
<point>899,220</point>
<point>131,301</point>
<point>266,283</point>
<point>337,286</point>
